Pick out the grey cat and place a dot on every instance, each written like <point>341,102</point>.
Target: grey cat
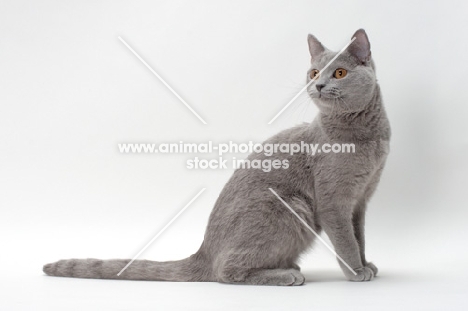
<point>251,237</point>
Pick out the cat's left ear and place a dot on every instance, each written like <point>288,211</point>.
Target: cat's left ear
<point>360,48</point>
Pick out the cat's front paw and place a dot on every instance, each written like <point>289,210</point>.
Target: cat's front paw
<point>362,275</point>
<point>371,266</point>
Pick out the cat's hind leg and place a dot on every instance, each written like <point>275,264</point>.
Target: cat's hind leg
<point>267,243</point>
<point>295,266</point>
<point>276,277</point>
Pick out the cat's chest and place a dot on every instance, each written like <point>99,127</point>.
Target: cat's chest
<point>356,162</point>
<point>371,153</point>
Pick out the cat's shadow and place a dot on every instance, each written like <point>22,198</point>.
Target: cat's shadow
<point>328,276</point>
<point>320,276</point>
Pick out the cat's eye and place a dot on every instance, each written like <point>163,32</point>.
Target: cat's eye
<point>314,74</point>
<point>340,73</point>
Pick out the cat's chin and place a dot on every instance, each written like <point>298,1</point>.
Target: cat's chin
<point>326,104</point>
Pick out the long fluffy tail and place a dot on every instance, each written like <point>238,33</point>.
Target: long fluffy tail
<point>192,269</point>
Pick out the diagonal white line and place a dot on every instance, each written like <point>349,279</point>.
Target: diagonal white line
<point>312,230</point>
<point>162,230</point>
<point>162,80</point>
<point>311,81</point>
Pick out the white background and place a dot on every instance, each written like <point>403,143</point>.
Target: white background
<point>70,91</point>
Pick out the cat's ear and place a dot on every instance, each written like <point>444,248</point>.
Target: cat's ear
<point>360,48</point>
<point>315,47</point>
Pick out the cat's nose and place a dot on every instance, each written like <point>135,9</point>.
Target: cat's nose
<point>319,86</point>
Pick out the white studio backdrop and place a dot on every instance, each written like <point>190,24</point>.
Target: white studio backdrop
<point>70,91</point>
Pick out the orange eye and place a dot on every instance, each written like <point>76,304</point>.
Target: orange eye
<point>340,73</point>
<point>314,73</point>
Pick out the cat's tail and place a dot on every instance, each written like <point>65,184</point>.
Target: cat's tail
<point>191,269</point>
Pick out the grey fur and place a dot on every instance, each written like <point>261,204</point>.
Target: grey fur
<point>251,238</point>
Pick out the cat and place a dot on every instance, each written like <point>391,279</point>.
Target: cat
<point>251,237</point>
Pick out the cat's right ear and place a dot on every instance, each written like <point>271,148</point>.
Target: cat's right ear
<point>315,47</point>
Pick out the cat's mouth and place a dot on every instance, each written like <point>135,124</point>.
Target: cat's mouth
<point>324,95</point>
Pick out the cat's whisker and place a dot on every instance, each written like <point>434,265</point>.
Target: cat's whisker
<point>298,107</point>
<point>306,110</point>
<point>299,111</point>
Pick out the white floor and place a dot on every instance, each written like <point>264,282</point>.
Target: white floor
<point>411,278</point>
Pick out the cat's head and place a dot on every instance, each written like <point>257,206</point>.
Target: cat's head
<point>348,84</point>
